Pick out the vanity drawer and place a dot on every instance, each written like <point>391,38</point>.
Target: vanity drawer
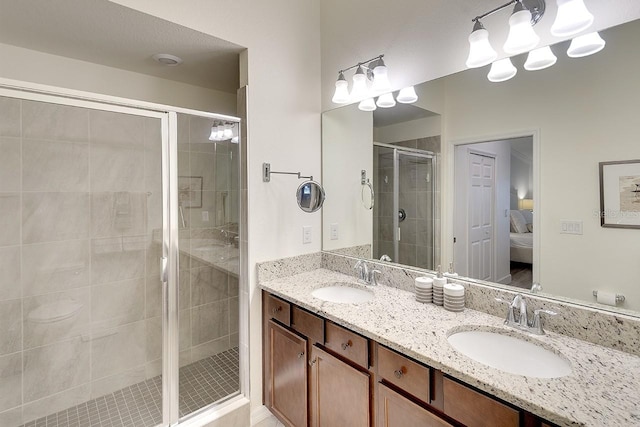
<point>309,325</point>
<point>275,308</point>
<point>404,373</point>
<point>475,409</point>
<point>347,344</point>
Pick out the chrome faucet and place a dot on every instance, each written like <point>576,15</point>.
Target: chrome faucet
<point>365,275</point>
<point>517,315</point>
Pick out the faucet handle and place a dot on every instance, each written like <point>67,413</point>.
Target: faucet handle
<point>536,327</point>
<point>509,320</point>
<point>373,279</point>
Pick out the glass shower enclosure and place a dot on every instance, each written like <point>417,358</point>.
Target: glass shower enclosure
<point>403,217</point>
<point>120,262</point>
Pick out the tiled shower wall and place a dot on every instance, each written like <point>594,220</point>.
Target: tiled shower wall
<point>79,290</point>
<point>420,238</point>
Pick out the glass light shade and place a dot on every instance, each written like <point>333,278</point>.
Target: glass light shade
<point>220,133</point>
<point>367,105</point>
<point>540,59</point>
<point>228,132</point>
<point>480,51</point>
<point>407,95</point>
<point>572,18</point>
<point>359,89</point>
<point>502,71</point>
<point>386,100</point>
<point>235,139</point>
<point>521,36</point>
<point>341,95</point>
<point>380,79</point>
<point>214,132</point>
<point>585,45</point>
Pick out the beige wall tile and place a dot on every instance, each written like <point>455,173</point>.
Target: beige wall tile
<point>234,318</point>
<point>55,166</point>
<point>9,163</point>
<point>209,322</point>
<point>118,349</point>
<point>10,279</point>
<point>10,326</point>
<point>10,381</point>
<point>57,402</point>
<point>116,128</point>
<point>41,120</point>
<point>112,262</point>
<point>118,303</point>
<point>57,266</point>
<point>117,168</point>
<point>50,217</point>
<point>10,116</point>
<point>210,348</point>
<point>9,219</point>
<point>118,214</point>
<point>54,368</point>
<point>203,165</point>
<point>208,285</point>
<point>117,382</point>
<point>154,339</point>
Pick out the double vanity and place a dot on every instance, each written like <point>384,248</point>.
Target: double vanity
<point>337,352</point>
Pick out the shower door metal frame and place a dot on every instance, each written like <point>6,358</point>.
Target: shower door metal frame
<point>169,260</point>
<point>414,152</point>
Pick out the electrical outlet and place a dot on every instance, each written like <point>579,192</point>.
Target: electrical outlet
<point>334,231</point>
<point>205,216</point>
<point>306,234</point>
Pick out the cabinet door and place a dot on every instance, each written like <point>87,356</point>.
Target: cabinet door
<point>287,375</point>
<point>395,410</point>
<point>340,393</point>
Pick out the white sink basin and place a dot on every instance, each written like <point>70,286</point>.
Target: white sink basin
<point>510,354</point>
<point>342,294</point>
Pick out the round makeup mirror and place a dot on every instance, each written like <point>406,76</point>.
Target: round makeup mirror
<point>310,196</point>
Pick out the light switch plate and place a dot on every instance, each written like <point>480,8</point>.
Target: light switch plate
<point>334,232</point>
<point>570,227</point>
<point>205,216</point>
<point>306,234</point>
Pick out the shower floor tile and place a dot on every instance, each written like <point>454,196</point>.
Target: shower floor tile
<point>140,405</point>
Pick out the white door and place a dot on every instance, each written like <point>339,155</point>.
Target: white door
<point>481,193</point>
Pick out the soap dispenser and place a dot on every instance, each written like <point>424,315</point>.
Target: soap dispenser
<point>451,273</point>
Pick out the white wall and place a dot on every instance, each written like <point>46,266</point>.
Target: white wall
<point>38,67</point>
<point>521,178</point>
<point>414,129</point>
<point>347,148</point>
<point>582,119</point>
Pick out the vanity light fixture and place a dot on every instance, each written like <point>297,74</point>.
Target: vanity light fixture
<point>480,51</point>
<point>585,45</point>
<point>359,89</point>
<point>386,100</point>
<point>367,105</point>
<point>501,71</point>
<point>572,18</point>
<point>539,59</point>
<point>224,131</point>
<point>341,95</point>
<point>521,36</point>
<point>407,95</point>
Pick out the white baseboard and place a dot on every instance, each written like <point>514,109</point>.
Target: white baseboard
<point>259,414</point>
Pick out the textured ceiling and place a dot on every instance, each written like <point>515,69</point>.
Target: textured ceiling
<point>105,33</point>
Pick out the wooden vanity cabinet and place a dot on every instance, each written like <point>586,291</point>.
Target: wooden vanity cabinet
<point>287,375</point>
<point>340,392</point>
<point>395,410</point>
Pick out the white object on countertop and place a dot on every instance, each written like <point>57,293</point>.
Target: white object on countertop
<point>454,290</point>
<point>424,282</point>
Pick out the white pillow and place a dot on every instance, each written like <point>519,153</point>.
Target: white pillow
<point>518,223</point>
<point>528,216</point>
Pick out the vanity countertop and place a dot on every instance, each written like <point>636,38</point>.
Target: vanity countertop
<point>602,390</point>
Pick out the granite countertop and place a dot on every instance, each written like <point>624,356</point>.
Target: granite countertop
<point>215,254</point>
<point>602,390</point>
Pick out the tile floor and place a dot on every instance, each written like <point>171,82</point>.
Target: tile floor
<point>140,405</point>
<point>269,422</point>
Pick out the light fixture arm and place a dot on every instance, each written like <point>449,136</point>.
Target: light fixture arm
<point>536,7</point>
<point>266,173</point>
<point>366,64</point>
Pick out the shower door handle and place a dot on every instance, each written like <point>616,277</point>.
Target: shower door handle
<point>164,269</point>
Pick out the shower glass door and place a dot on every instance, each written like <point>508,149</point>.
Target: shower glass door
<point>403,225</point>
<point>80,241</point>
<point>120,263</point>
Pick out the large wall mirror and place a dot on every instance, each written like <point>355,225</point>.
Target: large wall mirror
<point>515,161</point>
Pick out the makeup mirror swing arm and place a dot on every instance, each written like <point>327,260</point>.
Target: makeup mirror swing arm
<point>266,173</point>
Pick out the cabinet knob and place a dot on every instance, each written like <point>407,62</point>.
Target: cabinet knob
<point>300,355</point>
<point>346,345</point>
<point>277,309</point>
<point>399,372</point>
<point>312,362</point>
